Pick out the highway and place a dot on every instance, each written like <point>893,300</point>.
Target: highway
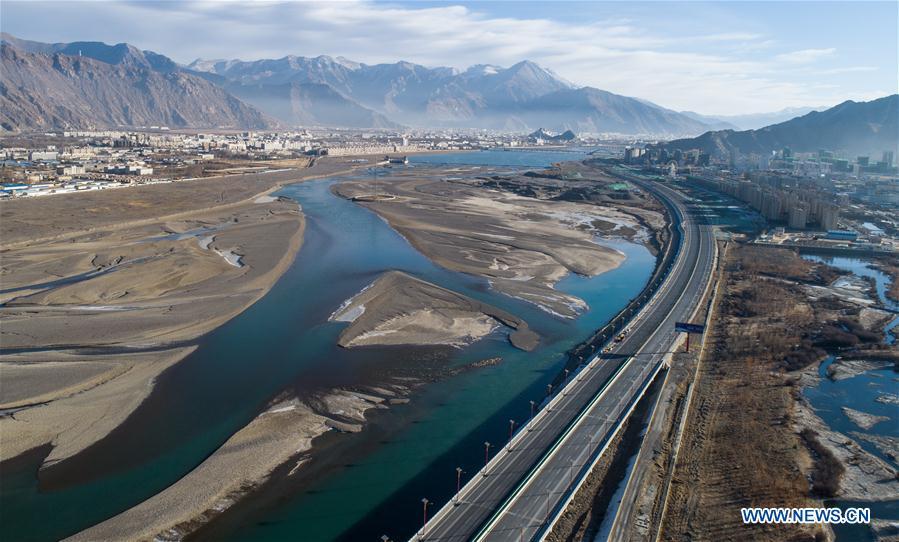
<point>528,479</point>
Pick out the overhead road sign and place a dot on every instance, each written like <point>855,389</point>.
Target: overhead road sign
<point>689,328</point>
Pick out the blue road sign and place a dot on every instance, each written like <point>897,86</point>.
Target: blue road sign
<point>688,328</point>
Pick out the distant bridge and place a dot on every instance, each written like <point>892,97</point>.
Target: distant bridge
<point>545,149</point>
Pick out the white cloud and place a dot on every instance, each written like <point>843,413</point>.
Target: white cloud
<point>805,56</point>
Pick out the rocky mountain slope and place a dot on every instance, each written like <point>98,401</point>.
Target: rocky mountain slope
<point>853,127</point>
<point>52,90</point>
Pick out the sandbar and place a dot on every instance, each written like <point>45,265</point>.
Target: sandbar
<point>522,245</point>
<point>398,308</point>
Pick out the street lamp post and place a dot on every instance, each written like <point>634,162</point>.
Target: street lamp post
<point>424,522</point>
<point>486,456</point>
<point>533,407</point>
<point>511,432</point>
<point>459,472</point>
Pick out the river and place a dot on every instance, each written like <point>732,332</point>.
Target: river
<point>861,393</point>
<point>369,483</point>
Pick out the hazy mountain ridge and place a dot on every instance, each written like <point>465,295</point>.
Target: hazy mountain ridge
<point>315,104</point>
<point>321,91</point>
<point>854,127</point>
<point>589,109</point>
<point>751,121</point>
<point>50,89</point>
<point>403,91</point>
<point>522,97</point>
<point>714,123</point>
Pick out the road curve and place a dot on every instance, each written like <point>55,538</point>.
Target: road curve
<point>520,490</point>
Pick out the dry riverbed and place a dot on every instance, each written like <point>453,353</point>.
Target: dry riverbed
<point>523,244</point>
<point>103,291</point>
<point>107,290</point>
<point>154,287</point>
<point>284,432</point>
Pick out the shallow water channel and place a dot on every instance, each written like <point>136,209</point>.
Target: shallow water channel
<point>285,341</point>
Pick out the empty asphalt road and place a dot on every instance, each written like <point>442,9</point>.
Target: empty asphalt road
<point>517,494</point>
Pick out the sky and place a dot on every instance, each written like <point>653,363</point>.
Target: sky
<point>716,58</point>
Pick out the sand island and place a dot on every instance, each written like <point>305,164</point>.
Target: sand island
<point>400,309</point>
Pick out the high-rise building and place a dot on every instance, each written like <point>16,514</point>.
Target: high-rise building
<point>771,206</point>
<point>829,214</point>
<point>888,158</point>
<point>798,216</point>
<point>632,154</point>
<point>814,207</point>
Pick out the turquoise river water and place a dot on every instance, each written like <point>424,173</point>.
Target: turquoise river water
<point>368,484</point>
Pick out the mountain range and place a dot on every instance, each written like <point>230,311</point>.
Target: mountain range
<point>853,127</point>
<point>521,97</point>
<point>141,88</point>
<point>92,85</point>
<point>95,85</point>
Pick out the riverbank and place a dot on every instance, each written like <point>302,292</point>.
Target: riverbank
<point>284,347</point>
<point>103,292</point>
<point>862,476</point>
<point>369,302</point>
<point>845,401</point>
<point>283,433</point>
<point>891,268</point>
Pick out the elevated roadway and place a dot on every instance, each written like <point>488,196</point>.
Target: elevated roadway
<point>519,492</point>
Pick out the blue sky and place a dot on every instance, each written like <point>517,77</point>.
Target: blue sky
<point>710,57</point>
